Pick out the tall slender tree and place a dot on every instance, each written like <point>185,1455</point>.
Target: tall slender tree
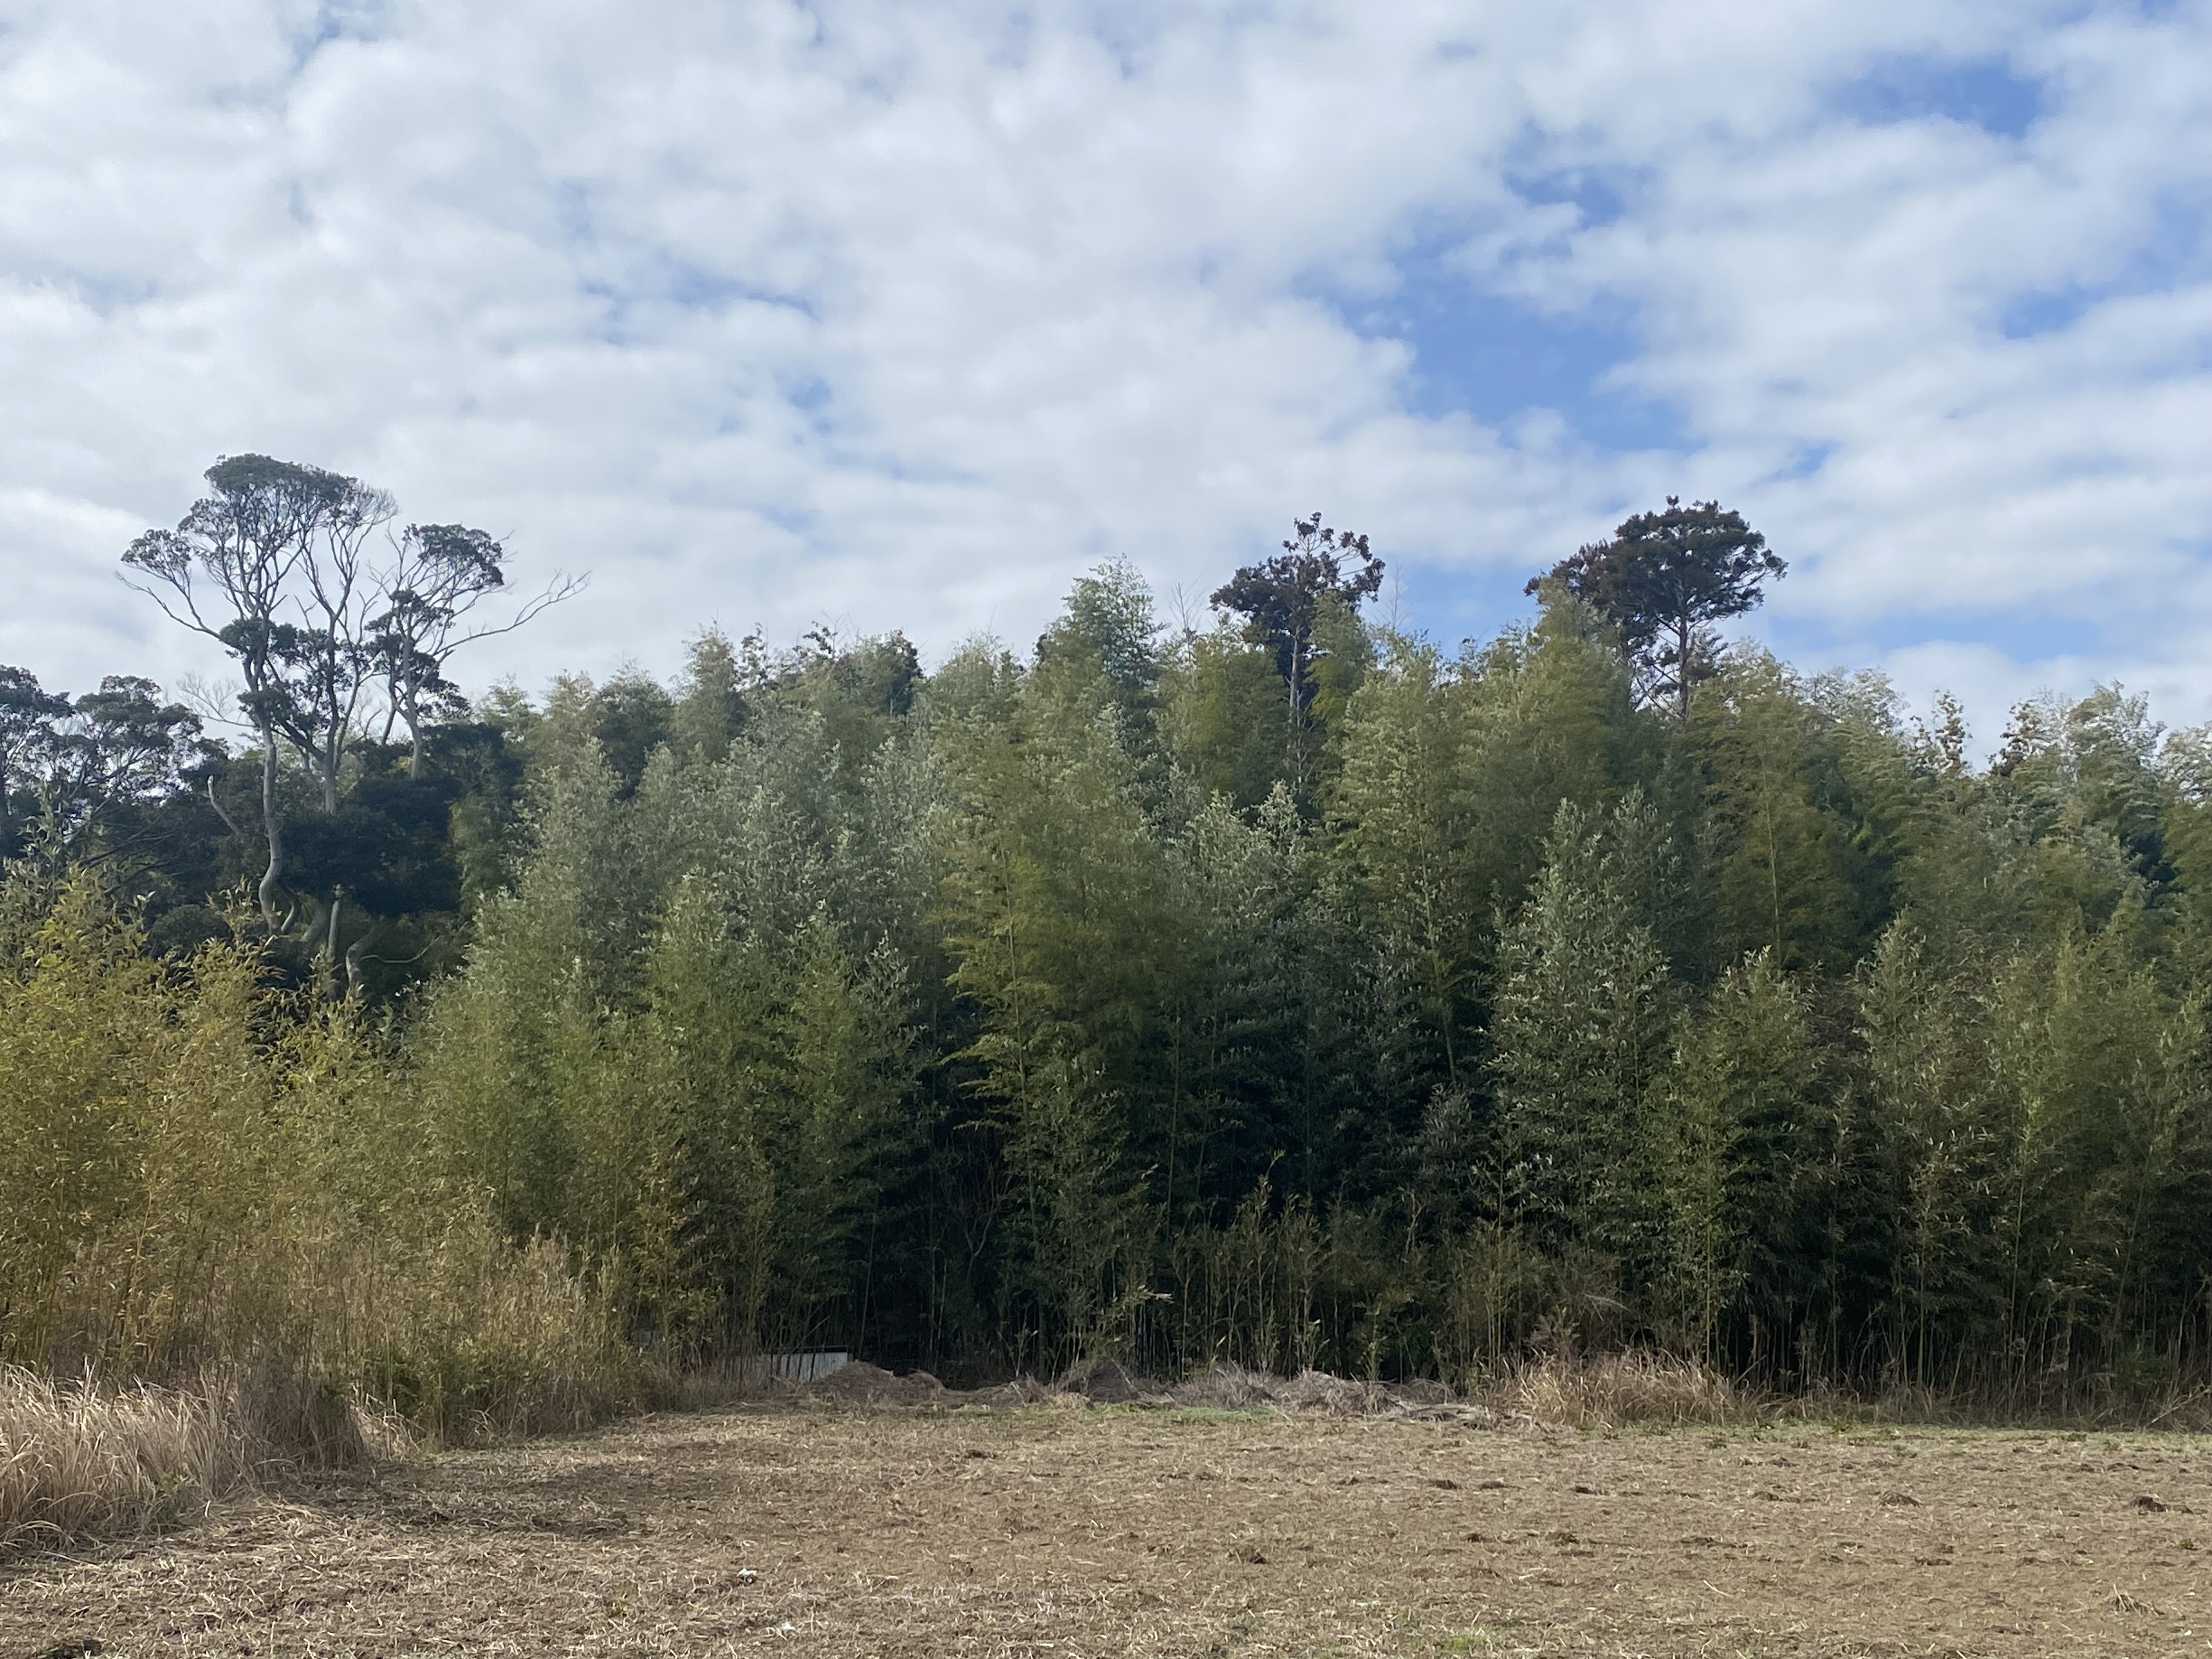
<point>1664,579</point>
<point>241,568</point>
<point>1282,599</point>
<point>276,565</point>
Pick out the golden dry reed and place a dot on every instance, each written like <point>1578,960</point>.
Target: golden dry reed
<point>79,1462</point>
<point>224,1210</point>
<point>1612,1391</point>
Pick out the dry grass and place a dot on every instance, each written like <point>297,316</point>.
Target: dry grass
<point>80,1462</point>
<point>1606,1391</point>
<point>1048,1532</point>
<point>1613,1391</point>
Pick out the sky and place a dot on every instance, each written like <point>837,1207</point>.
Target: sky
<point>903,315</point>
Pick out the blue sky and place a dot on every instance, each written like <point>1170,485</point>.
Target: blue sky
<point>902,316</point>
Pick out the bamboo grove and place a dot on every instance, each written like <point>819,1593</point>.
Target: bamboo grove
<point>1408,1012</point>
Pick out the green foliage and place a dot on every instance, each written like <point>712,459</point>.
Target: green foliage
<point>1741,1135</point>
<point>1579,1031</point>
<point>204,1176</point>
<point>1798,866</point>
<point>1225,710</point>
<point>1463,1011</point>
<point>1664,579</point>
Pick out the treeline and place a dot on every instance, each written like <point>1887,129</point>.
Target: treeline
<point>1289,992</point>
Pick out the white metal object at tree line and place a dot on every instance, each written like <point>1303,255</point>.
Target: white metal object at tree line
<point>811,1366</point>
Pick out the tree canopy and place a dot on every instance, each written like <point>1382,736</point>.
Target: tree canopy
<point>1286,600</point>
<point>1663,579</point>
<point>980,1014</point>
<point>278,565</point>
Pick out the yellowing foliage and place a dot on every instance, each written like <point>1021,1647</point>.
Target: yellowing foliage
<point>210,1187</point>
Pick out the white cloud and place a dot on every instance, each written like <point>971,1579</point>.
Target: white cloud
<point>902,315</point>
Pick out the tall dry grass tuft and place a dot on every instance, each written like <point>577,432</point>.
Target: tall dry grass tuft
<point>1610,1391</point>
<point>78,1463</point>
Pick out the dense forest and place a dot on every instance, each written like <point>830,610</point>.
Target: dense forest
<point>1284,990</point>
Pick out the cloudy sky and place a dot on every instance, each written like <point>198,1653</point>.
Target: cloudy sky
<point>901,315</point>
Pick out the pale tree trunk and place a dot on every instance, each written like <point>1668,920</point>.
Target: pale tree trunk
<point>272,826</point>
<point>357,951</point>
<point>329,757</point>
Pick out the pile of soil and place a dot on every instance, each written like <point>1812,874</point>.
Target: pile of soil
<point>860,1383</point>
<point>1103,1380</point>
<point>1232,1386</point>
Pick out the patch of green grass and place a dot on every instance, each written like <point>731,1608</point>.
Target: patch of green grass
<point>1216,1414</point>
<point>1481,1640</point>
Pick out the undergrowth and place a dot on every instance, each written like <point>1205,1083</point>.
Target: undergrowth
<point>223,1210</point>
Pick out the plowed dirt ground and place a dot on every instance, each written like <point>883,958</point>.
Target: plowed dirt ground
<point>818,1531</point>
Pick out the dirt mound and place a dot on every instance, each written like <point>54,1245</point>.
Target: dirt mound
<point>1105,1381</point>
<point>1331,1396</point>
<point>1228,1388</point>
<point>1234,1388</point>
<point>862,1384</point>
<point>1102,1380</point>
<point>1022,1391</point>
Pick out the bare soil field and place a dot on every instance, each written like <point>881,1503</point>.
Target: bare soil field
<point>823,1530</point>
